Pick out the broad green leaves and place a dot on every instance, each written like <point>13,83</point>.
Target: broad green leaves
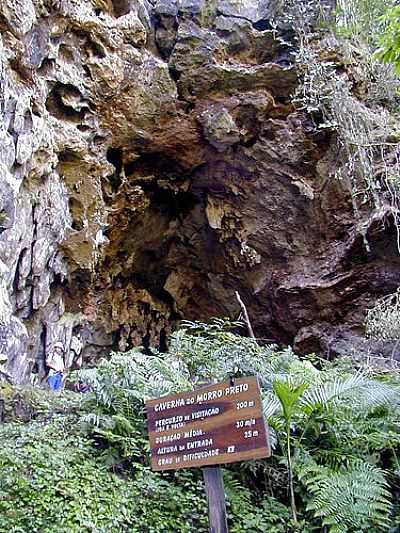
<point>389,52</point>
<point>288,396</point>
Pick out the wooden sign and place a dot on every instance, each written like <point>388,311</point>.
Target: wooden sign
<point>217,424</point>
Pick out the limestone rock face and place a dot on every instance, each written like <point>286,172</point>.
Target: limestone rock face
<point>252,10</point>
<point>152,163</point>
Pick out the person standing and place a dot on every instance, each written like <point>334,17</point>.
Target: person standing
<point>76,351</point>
<point>55,362</point>
<point>4,375</point>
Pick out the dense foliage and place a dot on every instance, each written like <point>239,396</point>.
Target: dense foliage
<point>81,463</point>
<point>56,480</point>
<point>390,37</point>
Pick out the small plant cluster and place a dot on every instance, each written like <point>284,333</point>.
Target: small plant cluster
<point>302,16</point>
<point>363,20</point>
<point>369,150</point>
<point>383,320</point>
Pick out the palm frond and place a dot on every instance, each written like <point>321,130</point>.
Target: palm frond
<point>363,392</point>
<point>271,405</point>
<point>322,395</point>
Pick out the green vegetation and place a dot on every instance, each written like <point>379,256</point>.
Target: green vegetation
<point>364,20</point>
<point>389,51</point>
<point>383,320</point>
<point>81,463</point>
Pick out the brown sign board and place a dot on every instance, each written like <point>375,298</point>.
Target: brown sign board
<point>213,425</point>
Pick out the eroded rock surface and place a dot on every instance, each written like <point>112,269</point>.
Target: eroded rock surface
<point>152,163</point>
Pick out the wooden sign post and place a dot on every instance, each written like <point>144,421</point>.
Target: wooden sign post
<point>214,484</point>
<point>217,424</point>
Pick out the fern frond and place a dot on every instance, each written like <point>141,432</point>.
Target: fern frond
<point>354,500</point>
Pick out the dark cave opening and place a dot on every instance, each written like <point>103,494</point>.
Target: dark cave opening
<point>166,191</point>
<point>262,25</point>
<point>77,212</point>
<point>176,205</point>
<point>145,252</point>
<point>115,157</point>
<point>155,163</point>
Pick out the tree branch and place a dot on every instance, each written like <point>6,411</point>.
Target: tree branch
<point>246,315</point>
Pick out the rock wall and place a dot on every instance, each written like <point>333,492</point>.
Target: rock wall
<point>152,163</point>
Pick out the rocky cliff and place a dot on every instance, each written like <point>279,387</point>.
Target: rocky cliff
<point>151,163</point>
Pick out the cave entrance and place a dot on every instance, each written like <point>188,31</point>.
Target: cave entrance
<point>150,202</point>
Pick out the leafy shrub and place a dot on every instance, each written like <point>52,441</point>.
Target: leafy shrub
<point>389,50</point>
<point>51,482</point>
<point>54,482</point>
